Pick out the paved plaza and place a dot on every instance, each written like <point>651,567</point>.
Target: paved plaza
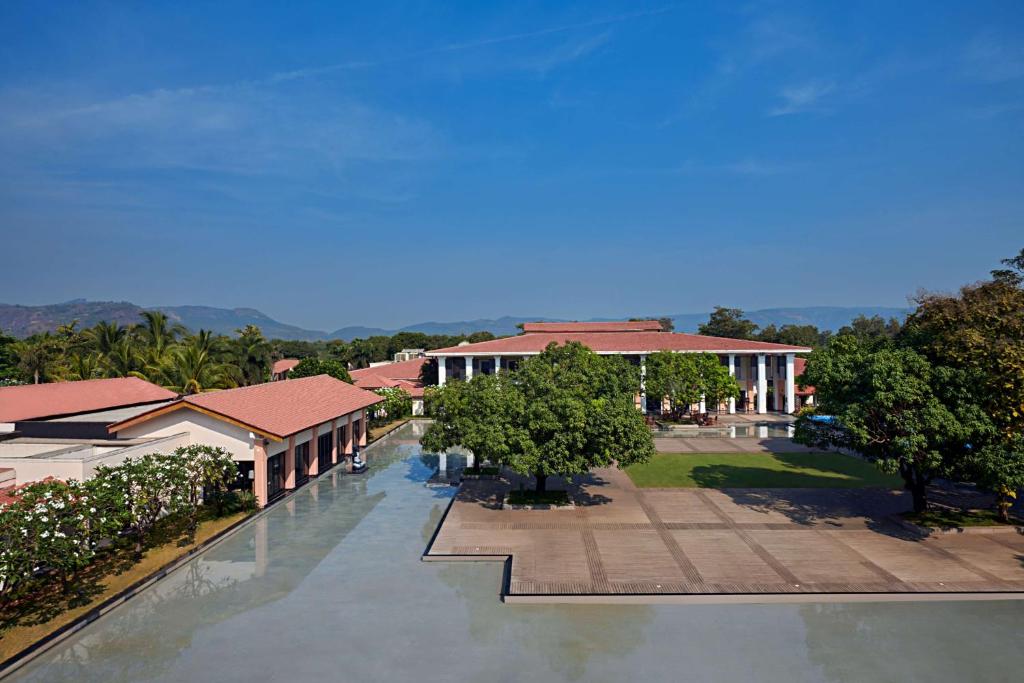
<point>621,543</point>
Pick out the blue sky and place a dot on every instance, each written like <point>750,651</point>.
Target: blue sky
<point>332,164</point>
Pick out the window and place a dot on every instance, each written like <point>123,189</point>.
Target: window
<point>324,446</point>
<point>301,464</point>
<point>275,476</point>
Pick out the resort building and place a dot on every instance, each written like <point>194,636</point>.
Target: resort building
<point>59,430</point>
<point>282,367</point>
<point>766,372</point>
<point>280,434</point>
<point>404,374</point>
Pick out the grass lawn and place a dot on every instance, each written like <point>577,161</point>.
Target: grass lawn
<point>759,470</point>
<point>24,624</point>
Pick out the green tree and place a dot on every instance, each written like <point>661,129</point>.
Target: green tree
<point>310,367</point>
<point>143,489</point>
<point>484,416</point>
<point>252,355</point>
<point>397,403</point>
<point>202,471</point>
<point>562,412</point>
<point>728,322</point>
<point>875,329</point>
<point>886,403</point>
<point>794,335</point>
<point>673,376</point>
<point>37,358</point>
<point>8,357</point>
<point>981,330</point>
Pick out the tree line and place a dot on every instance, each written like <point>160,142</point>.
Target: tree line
<point>167,354</point>
<point>941,396</point>
<point>732,323</point>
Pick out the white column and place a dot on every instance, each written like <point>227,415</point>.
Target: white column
<point>643,384</point>
<point>441,368</point>
<point>790,384</point>
<point>442,464</point>
<point>732,373</point>
<point>497,364</point>
<point>703,407</point>
<point>762,386</point>
<point>469,368</point>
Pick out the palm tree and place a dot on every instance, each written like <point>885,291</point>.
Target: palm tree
<point>104,336</point>
<point>158,333</point>
<point>35,357</point>
<point>194,366</point>
<point>252,355</point>
<point>84,366</point>
<point>123,359</point>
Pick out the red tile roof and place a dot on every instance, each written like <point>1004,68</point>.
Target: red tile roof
<point>616,342</point>
<point>405,374</point>
<point>278,409</point>
<point>798,369</point>
<point>284,365</point>
<point>37,401</point>
<point>616,326</point>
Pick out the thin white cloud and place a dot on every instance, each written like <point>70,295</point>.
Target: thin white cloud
<point>993,58</point>
<point>802,98</point>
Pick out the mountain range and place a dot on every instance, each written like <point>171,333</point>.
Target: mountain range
<point>22,321</point>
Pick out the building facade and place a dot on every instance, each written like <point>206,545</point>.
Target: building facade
<point>766,372</point>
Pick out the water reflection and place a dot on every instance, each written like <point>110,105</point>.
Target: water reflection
<point>329,586</point>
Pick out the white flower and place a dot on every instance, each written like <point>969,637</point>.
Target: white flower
<point>45,534</point>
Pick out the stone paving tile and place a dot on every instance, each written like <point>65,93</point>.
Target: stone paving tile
<point>909,560</point>
<point>813,558</point>
<point>636,556</point>
<point>722,557</point>
<point>680,506</point>
<point>620,540</point>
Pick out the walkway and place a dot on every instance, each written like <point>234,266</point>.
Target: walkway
<point>624,543</point>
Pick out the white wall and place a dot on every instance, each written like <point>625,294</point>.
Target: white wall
<point>201,429</point>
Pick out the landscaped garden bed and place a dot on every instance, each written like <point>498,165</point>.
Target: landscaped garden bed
<point>485,472</point>
<point>759,470</point>
<point>537,500</point>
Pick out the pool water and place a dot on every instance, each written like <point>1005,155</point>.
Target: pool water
<point>757,430</point>
<point>328,586</point>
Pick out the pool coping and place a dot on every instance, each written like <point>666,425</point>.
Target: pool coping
<point>54,638</point>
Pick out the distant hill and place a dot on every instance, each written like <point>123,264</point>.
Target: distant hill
<point>227,320</point>
<point>22,321</point>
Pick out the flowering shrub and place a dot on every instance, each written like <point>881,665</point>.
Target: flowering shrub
<point>397,403</point>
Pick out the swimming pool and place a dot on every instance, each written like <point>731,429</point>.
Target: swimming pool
<point>328,586</point>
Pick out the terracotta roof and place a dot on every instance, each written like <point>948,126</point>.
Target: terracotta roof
<point>616,342</point>
<point>405,374</point>
<point>37,401</point>
<point>407,369</point>
<point>277,409</point>
<point>284,365</point>
<point>616,326</point>
<point>798,369</point>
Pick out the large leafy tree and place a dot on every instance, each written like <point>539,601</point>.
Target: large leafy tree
<point>484,416</point>
<point>685,378</point>
<point>201,471</point>
<point>980,330</point>
<point>892,406</point>
<point>562,412</point>
<point>310,367</point>
<point>728,322</point>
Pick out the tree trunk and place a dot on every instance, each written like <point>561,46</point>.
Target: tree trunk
<point>542,482</point>
<point>917,484</point>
